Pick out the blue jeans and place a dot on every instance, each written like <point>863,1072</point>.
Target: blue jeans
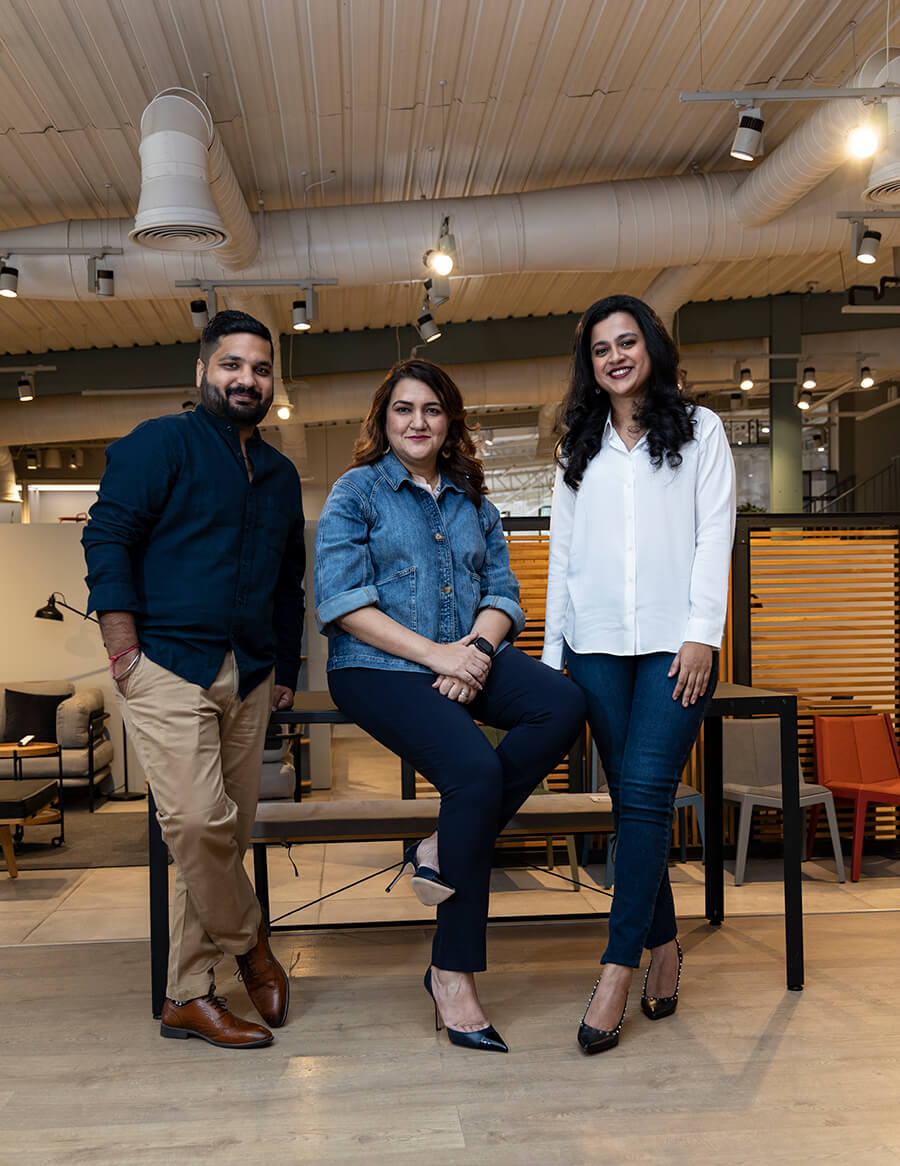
<point>481,787</point>
<point>644,739</point>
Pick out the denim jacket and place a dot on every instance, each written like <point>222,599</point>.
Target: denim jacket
<point>429,563</point>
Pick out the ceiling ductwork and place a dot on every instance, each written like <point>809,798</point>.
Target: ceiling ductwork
<point>814,150</point>
<point>884,180</point>
<point>190,198</point>
<point>604,227</point>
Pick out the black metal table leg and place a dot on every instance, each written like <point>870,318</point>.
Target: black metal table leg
<point>793,843</point>
<point>261,878</point>
<point>712,809</point>
<point>159,908</point>
<point>61,837</point>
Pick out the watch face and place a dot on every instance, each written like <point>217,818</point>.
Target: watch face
<point>484,645</point>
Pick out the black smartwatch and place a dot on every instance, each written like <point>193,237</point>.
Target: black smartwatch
<point>484,645</point>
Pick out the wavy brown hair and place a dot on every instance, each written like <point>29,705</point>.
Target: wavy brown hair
<point>457,459</point>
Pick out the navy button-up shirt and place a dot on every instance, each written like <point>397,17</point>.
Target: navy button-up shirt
<point>207,559</point>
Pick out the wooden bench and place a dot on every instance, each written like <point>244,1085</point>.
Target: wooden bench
<point>279,823</point>
<point>26,803</point>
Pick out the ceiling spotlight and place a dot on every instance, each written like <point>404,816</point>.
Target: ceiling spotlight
<point>76,459</point>
<point>284,411</point>
<point>804,400</point>
<point>438,262</point>
<point>31,459</point>
<point>9,281</point>
<point>199,314</point>
<point>809,377</point>
<point>25,385</point>
<point>765,428</point>
<point>747,143</point>
<point>426,326</point>
<point>866,380</point>
<point>442,258</point>
<point>746,380</point>
<point>862,141</point>
<point>106,282</point>
<point>437,288</point>
<point>868,247</point>
<point>300,317</point>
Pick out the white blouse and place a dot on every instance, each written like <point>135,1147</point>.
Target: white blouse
<point>639,557</point>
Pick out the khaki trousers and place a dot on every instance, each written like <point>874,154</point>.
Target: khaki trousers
<point>201,750</point>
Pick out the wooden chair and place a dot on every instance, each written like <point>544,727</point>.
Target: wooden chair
<point>858,759</point>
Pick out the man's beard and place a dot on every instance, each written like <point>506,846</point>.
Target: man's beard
<point>221,403</point>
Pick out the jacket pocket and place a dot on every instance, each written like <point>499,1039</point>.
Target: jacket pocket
<point>397,597</point>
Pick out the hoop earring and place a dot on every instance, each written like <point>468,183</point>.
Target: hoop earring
<point>445,452</point>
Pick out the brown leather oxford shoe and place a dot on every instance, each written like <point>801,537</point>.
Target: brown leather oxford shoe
<point>265,980</point>
<point>208,1018</point>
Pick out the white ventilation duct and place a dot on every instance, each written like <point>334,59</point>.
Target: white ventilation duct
<point>883,188</point>
<point>675,286</point>
<point>9,490</point>
<point>807,156</point>
<point>613,226</point>
<point>190,199</point>
<point>814,150</point>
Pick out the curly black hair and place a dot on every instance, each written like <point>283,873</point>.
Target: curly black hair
<point>665,411</point>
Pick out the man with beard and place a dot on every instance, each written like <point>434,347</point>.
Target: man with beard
<point>195,562</point>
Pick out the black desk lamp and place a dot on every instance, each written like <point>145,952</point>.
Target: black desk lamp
<point>50,610</point>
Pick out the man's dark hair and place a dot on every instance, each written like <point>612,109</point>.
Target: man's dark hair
<point>227,324</point>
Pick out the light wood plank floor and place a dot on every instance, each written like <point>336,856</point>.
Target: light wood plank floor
<point>745,1072</point>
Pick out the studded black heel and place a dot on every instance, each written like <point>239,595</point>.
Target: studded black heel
<point>658,1007</point>
<point>598,1040</point>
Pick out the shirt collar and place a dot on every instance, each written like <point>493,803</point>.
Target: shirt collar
<point>611,435</point>
<point>397,473</point>
<point>226,428</point>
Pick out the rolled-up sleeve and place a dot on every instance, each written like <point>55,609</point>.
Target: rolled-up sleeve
<point>714,509</point>
<point>499,586</point>
<point>132,495</point>
<point>344,575</point>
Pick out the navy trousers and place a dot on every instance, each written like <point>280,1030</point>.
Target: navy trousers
<point>481,787</point>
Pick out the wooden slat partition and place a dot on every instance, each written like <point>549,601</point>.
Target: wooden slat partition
<point>825,623</point>
<point>824,616</point>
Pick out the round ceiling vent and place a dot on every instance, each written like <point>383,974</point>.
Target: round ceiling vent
<point>180,237</point>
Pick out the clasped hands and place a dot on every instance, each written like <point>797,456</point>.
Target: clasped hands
<point>461,669</point>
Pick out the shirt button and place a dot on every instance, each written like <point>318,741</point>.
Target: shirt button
<point>446,589</point>
<point>438,538</point>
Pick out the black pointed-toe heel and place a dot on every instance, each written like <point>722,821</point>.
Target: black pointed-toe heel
<point>428,885</point>
<point>658,1007</point>
<point>487,1039</point>
<point>598,1040</point>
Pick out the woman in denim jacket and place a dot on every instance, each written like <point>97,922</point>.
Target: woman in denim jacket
<point>415,593</point>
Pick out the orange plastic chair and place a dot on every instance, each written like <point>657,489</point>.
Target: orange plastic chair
<point>859,760</point>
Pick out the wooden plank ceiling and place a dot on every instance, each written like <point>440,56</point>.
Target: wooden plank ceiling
<point>323,102</point>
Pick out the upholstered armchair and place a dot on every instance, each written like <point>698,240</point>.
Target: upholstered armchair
<point>78,723</point>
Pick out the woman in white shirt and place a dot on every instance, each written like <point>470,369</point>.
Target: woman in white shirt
<point>640,545</point>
